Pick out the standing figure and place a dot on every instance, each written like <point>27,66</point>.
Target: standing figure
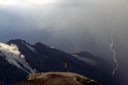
<point>65,65</point>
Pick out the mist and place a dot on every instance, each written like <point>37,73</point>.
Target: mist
<point>69,25</point>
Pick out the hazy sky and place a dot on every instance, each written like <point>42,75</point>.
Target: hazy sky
<point>70,25</point>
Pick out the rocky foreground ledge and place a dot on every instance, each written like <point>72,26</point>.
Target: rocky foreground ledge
<point>57,78</point>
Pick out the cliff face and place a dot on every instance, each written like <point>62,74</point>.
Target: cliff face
<point>57,78</point>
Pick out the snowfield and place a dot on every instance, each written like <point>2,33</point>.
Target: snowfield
<point>12,54</point>
<point>87,60</point>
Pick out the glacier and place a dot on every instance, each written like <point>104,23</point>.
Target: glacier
<point>12,54</point>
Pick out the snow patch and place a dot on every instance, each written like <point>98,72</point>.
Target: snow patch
<point>1,55</point>
<point>9,48</point>
<point>30,47</point>
<point>34,70</point>
<point>13,56</point>
<point>87,60</point>
<point>52,47</point>
<point>22,56</point>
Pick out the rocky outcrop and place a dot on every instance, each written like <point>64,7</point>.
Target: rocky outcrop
<point>57,78</point>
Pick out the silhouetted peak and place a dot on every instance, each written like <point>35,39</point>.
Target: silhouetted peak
<point>14,41</point>
<point>39,44</point>
<point>17,42</point>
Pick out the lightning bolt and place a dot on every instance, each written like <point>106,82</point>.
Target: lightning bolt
<point>112,43</point>
<point>114,52</point>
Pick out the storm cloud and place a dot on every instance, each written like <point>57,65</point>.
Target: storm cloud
<point>70,25</point>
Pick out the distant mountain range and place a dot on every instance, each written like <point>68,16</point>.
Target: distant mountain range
<point>19,59</point>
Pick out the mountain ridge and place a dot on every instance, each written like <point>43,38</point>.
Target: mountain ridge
<point>43,58</point>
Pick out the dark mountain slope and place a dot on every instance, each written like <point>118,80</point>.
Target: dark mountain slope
<point>43,58</point>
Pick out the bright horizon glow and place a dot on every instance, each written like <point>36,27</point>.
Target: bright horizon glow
<point>25,2</point>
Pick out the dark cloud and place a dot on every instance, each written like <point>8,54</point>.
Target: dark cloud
<point>71,26</point>
<point>78,25</point>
